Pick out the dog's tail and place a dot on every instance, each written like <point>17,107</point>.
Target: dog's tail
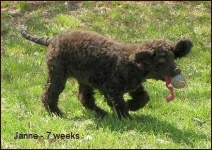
<point>39,40</point>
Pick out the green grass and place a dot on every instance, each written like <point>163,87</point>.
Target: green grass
<point>183,123</point>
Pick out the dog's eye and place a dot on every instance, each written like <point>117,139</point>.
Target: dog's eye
<point>162,60</point>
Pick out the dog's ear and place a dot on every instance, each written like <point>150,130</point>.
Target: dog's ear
<point>140,56</point>
<point>182,48</point>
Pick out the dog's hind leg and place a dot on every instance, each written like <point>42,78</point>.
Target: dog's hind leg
<point>139,99</point>
<point>87,99</point>
<point>55,85</point>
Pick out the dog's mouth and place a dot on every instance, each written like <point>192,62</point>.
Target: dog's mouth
<point>177,81</point>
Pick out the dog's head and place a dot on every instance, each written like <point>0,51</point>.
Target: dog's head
<point>157,57</point>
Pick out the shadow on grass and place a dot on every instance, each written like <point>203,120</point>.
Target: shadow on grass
<point>147,124</point>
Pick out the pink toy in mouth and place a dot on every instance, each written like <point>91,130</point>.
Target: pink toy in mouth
<point>177,81</point>
<point>171,89</point>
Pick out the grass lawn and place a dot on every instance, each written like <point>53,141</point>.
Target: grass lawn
<point>183,123</point>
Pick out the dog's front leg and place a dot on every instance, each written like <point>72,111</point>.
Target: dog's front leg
<point>117,103</point>
<point>139,99</point>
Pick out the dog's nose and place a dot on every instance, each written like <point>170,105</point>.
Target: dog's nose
<point>177,70</point>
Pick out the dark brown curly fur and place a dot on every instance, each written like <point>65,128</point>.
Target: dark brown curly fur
<point>114,68</point>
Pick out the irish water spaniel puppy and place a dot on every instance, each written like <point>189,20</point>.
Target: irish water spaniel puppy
<point>114,68</point>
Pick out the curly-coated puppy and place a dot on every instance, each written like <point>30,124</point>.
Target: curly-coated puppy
<point>114,68</point>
